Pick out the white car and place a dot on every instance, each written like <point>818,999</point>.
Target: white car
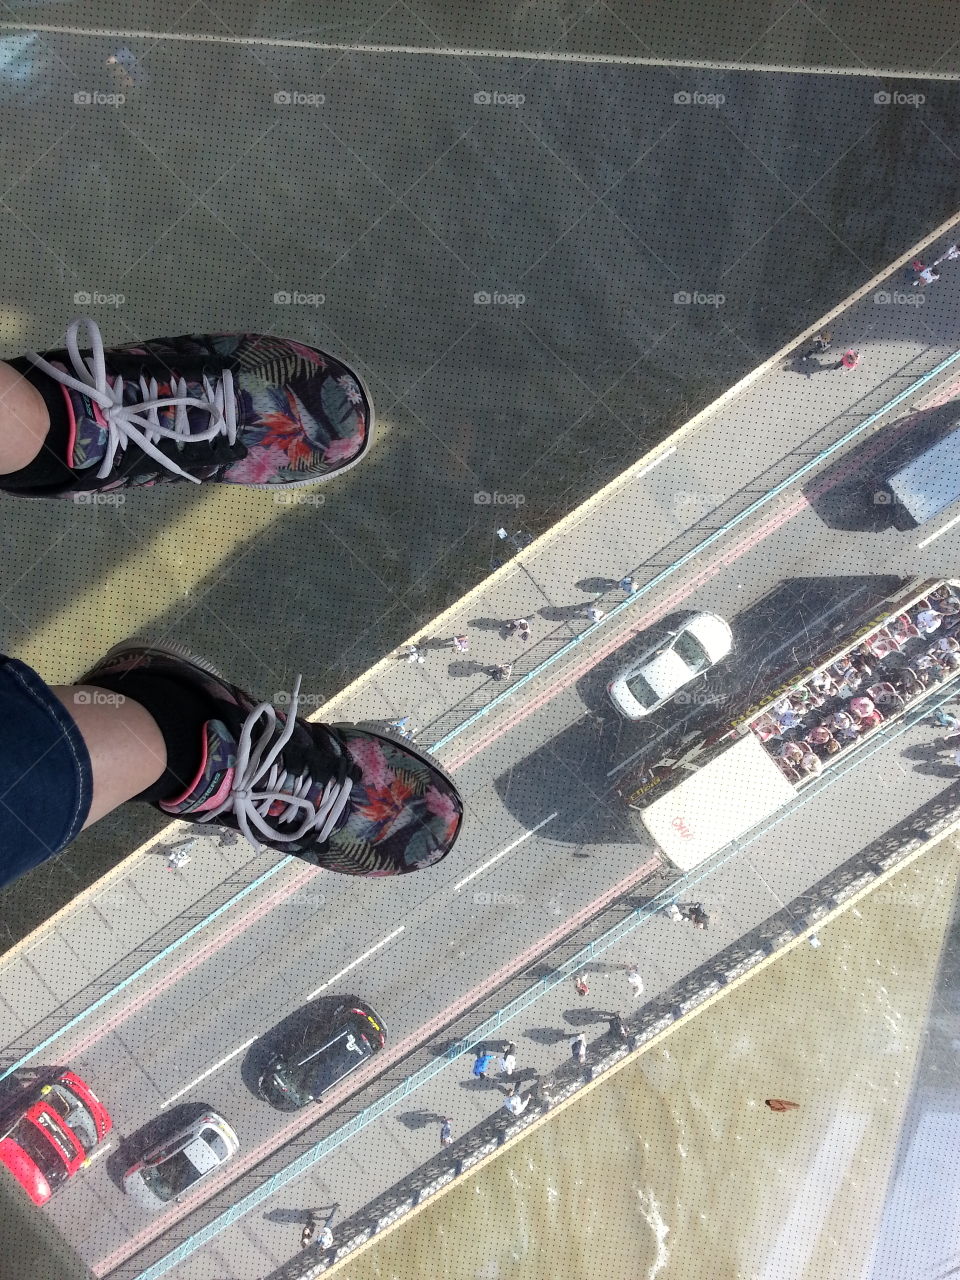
<point>176,1165</point>
<point>681,656</point>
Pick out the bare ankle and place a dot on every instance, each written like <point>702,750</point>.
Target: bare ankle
<point>24,420</point>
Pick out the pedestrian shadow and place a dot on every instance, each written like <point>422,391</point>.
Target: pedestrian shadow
<point>545,1035</point>
<point>924,751</point>
<point>565,612</point>
<point>597,586</point>
<point>289,1217</point>
<point>420,1119</point>
<point>585,1017</point>
<point>937,770</point>
<point>489,624</point>
<point>458,670</point>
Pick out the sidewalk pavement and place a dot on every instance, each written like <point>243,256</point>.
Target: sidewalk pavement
<point>642,521</point>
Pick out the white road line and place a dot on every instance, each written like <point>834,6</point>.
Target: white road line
<point>948,525</point>
<point>353,963</point>
<point>102,1152</point>
<point>497,856</point>
<point>209,1072</point>
<point>656,462</point>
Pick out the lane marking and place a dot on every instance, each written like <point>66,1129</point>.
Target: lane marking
<point>209,1072</point>
<point>497,856</point>
<point>948,525</point>
<point>353,963</point>
<point>102,1151</point>
<point>454,51</point>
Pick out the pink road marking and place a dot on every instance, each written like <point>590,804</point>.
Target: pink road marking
<point>215,944</point>
<point>379,1064</point>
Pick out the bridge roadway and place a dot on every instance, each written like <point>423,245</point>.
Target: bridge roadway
<point>545,838</point>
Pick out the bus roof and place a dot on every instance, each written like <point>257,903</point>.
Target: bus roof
<point>717,803</point>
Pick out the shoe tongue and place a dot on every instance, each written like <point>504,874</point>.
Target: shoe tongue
<point>90,432</point>
<point>217,770</point>
<point>214,777</point>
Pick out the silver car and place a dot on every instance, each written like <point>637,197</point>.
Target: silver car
<point>178,1163</point>
<point>661,672</point>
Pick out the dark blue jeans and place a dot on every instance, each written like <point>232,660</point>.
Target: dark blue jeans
<point>46,779</point>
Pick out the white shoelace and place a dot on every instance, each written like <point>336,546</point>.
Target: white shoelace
<point>140,422</point>
<point>259,783</point>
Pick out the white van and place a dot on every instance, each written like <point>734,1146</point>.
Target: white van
<point>924,487</point>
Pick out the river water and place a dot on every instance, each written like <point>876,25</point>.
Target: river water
<point>692,1177</point>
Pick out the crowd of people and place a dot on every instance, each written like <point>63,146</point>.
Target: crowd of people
<point>836,707</point>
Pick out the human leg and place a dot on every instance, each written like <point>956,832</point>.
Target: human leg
<point>127,750</point>
<point>24,420</point>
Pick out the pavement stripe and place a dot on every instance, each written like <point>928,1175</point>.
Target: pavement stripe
<point>498,55</point>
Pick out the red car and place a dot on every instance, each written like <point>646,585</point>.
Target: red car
<point>54,1136</point>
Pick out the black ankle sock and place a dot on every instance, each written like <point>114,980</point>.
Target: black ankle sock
<point>49,468</point>
<point>180,712</point>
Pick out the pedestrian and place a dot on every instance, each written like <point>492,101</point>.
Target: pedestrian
<point>780,1104</point>
<point>946,720</point>
<point>580,985</point>
<point>401,726</point>
<point>849,360</point>
<point>515,1103</point>
<point>925,275</point>
<point>628,585</point>
<point>578,1047</point>
<point>446,1132</point>
<point>461,644</point>
<point>949,255</point>
<point>594,613</point>
<point>412,654</point>
<point>696,914</point>
<point>308,1232</point>
<point>508,1060</point>
<point>618,1027</point>
<point>482,1064</point>
<point>503,672</point>
<point>673,912</point>
<point>636,982</point>
<point>519,627</point>
<point>325,1239</point>
<point>928,619</point>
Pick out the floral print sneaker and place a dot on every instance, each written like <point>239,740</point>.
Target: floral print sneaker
<point>337,796</point>
<point>233,408</point>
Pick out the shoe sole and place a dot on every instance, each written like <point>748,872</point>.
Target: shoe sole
<point>183,654</point>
